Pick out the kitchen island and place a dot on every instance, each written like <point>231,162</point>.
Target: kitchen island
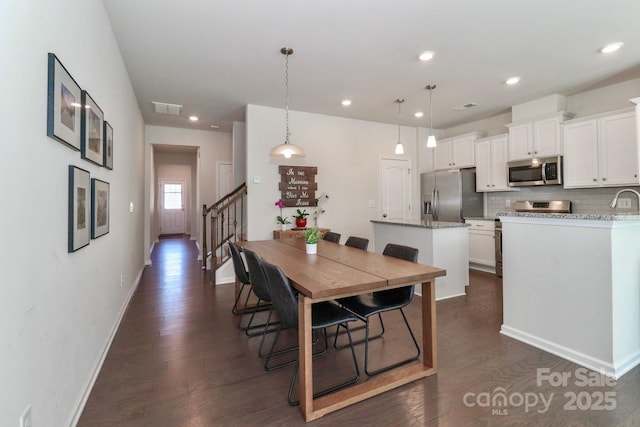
<point>571,286</point>
<point>441,244</point>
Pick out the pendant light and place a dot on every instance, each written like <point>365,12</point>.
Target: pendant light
<point>286,150</point>
<point>431,140</point>
<point>399,147</point>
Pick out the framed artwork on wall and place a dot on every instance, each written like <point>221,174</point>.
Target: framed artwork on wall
<point>79,193</point>
<point>99,208</point>
<point>64,105</point>
<point>108,146</point>
<point>92,129</point>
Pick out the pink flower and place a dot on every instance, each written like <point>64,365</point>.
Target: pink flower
<point>279,204</point>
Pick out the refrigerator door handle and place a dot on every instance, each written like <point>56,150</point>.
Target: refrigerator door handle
<point>435,197</point>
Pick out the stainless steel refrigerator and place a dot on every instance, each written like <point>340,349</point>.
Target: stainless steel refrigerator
<point>450,195</point>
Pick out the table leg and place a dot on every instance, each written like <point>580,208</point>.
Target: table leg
<point>429,337</point>
<point>305,356</point>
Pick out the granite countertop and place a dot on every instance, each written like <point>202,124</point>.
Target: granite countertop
<point>424,224</point>
<point>480,218</point>
<point>605,216</point>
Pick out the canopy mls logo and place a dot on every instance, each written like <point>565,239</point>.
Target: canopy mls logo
<point>498,400</point>
<point>597,398</point>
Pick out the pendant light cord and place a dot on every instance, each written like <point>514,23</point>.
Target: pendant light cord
<point>286,93</point>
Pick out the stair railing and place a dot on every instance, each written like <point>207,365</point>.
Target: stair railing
<point>227,222</point>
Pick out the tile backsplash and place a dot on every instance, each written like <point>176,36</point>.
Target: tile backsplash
<point>587,200</point>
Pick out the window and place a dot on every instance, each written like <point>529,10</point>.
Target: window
<point>173,196</point>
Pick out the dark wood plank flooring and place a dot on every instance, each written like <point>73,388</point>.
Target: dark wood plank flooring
<point>178,359</point>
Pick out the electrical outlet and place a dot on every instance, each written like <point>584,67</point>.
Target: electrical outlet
<point>624,203</point>
<point>507,203</point>
<point>25,418</point>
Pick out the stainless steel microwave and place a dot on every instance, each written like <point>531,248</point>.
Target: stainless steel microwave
<point>536,171</point>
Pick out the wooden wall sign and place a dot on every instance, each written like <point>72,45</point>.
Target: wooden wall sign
<point>298,185</point>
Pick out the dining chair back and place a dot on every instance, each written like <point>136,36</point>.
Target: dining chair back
<point>357,242</point>
<point>365,306</point>
<point>324,315</point>
<point>331,237</point>
<point>241,274</point>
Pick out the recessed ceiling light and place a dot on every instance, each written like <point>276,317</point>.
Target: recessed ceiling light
<point>418,114</point>
<point>346,102</point>
<point>193,118</point>
<point>426,56</point>
<point>610,48</point>
<point>513,80</point>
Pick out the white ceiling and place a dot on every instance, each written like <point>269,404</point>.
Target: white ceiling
<point>216,56</point>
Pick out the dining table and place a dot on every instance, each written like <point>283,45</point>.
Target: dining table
<point>338,271</point>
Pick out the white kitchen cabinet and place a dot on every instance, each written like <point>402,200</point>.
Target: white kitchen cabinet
<point>601,151</point>
<point>482,254</point>
<point>491,164</point>
<point>537,138</point>
<point>457,152</point>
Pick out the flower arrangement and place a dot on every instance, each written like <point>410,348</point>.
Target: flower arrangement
<point>301,214</point>
<point>281,219</point>
<point>312,235</point>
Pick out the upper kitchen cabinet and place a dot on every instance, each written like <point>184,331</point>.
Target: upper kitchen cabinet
<point>457,152</point>
<point>537,138</point>
<point>601,151</point>
<point>491,164</point>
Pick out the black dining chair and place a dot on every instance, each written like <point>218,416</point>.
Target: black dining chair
<point>357,242</point>
<point>330,236</point>
<point>365,306</point>
<point>323,315</point>
<point>243,277</point>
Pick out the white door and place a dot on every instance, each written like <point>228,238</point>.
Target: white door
<point>225,179</point>
<point>172,203</point>
<point>395,189</point>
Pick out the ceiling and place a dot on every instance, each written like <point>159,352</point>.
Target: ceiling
<point>216,56</point>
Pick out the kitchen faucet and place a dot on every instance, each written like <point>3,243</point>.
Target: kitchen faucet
<point>614,202</point>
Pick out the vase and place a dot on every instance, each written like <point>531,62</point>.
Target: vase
<point>301,222</point>
<point>283,227</point>
<point>312,248</point>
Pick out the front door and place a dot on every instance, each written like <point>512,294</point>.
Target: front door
<point>172,203</point>
<point>395,189</point>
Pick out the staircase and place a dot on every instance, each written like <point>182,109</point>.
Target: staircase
<point>227,222</point>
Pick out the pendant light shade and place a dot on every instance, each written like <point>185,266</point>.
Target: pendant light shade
<point>431,140</point>
<point>286,150</point>
<point>399,147</point>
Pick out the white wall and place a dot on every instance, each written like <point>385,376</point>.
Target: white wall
<point>213,147</point>
<point>239,153</point>
<point>58,309</point>
<point>347,153</point>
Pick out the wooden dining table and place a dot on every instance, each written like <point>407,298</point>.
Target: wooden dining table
<point>338,271</point>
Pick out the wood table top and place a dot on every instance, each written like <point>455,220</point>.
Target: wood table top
<point>338,270</point>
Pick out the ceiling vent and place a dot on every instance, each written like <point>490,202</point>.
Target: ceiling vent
<point>164,108</point>
<point>466,106</point>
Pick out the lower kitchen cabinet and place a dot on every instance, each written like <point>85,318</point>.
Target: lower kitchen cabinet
<point>482,254</point>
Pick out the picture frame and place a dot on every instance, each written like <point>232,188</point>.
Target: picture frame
<point>64,105</point>
<point>108,146</point>
<point>99,208</point>
<point>92,129</point>
<point>79,201</point>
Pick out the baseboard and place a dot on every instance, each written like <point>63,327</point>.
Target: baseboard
<point>96,371</point>
<point>482,267</point>
<point>561,351</point>
<point>444,298</point>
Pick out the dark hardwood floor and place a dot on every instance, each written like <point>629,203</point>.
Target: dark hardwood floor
<point>178,359</point>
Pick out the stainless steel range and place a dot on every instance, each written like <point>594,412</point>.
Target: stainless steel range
<point>539,206</point>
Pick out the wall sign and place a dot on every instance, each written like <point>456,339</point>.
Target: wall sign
<point>298,185</point>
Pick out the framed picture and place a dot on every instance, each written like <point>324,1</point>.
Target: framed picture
<point>64,105</point>
<point>108,146</point>
<point>92,129</point>
<point>78,208</point>
<point>99,208</point>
